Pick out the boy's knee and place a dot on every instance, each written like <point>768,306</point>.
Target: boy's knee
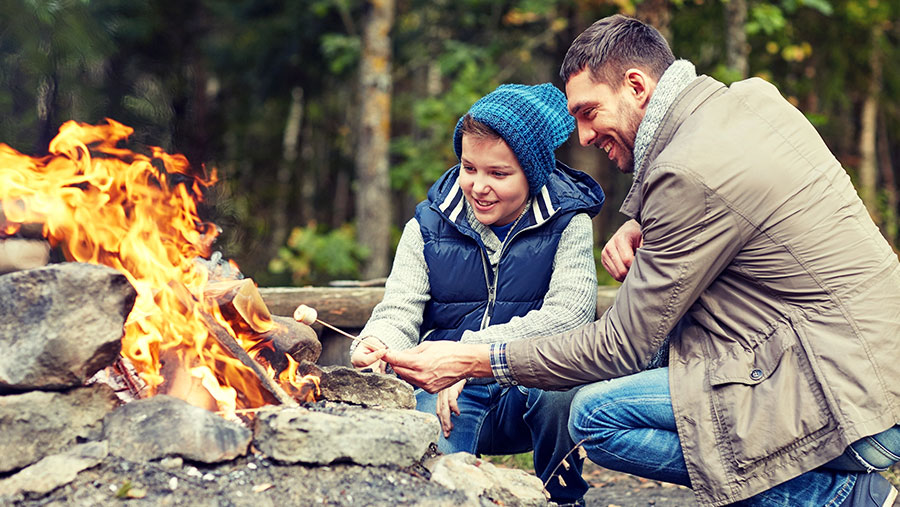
<point>551,400</point>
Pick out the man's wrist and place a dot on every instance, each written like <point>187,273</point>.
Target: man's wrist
<point>500,365</point>
<point>479,360</point>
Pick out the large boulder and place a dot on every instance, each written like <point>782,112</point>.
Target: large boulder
<point>163,426</point>
<point>38,424</point>
<point>345,434</point>
<point>60,324</point>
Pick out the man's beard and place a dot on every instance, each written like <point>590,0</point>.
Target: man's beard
<point>631,121</point>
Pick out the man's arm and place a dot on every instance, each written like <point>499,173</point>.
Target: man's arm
<point>571,298</point>
<point>689,237</point>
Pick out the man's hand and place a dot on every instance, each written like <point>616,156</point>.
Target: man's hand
<point>446,403</point>
<point>368,354</point>
<point>618,253</point>
<point>435,365</point>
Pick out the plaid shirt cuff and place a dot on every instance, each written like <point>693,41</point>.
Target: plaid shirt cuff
<point>499,365</point>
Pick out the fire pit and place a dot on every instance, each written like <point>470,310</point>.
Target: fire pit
<point>209,341</point>
<point>146,367</point>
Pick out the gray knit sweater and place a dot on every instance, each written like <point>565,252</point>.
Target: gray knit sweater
<point>570,301</point>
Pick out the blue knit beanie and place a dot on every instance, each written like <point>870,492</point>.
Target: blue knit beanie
<point>533,120</point>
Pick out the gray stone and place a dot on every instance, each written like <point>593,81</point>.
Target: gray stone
<point>60,324</point>
<point>481,480</point>
<point>373,436</point>
<point>163,426</point>
<point>54,471</point>
<point>39,424</point>
<point>339,383</point>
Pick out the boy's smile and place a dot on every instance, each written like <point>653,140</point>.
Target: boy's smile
<point>492,180</point>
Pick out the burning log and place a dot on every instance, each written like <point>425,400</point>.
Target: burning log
<point>231,345</point>
<point>242,305</point>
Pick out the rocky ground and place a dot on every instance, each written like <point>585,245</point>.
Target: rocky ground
<point>259,482</point>
<point>610,489</point>
<point>254,481</point>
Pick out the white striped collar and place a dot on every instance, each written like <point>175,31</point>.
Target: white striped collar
<point>541,206</point>
<point>454,202</point>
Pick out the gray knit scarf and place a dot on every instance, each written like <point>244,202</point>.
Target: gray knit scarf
<point>673,81</point>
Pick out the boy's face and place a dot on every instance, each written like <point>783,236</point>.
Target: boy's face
<point>492,180</point>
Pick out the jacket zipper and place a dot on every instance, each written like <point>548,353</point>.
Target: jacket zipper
<point>492,287</point>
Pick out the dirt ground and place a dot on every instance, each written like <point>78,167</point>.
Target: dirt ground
<point>254,481</point>
<point>258,482</point>
<point>615,489</point>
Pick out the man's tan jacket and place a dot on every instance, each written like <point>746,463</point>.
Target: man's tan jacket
<point>786,295</point>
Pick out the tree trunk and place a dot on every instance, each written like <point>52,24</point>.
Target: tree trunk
<point>373,199</point>
<point>891,220</point>
<point>289,155</point>
<point>868,165</point>
<point>736,48</point>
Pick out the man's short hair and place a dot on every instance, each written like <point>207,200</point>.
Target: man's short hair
<point>613,45</point>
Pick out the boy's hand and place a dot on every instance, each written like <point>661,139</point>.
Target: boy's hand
<point>368,354</point>
<point>446,403</point>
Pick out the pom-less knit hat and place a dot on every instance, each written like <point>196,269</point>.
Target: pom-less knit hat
<point>533,120</point>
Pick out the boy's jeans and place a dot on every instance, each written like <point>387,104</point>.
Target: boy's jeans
<point>628,425</point>
<point>502,420</point>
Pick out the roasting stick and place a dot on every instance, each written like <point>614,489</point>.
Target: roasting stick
<point>308,316</point>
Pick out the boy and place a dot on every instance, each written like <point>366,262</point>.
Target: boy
<point>501,248</point>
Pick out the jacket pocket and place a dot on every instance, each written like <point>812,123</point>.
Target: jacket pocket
<point>766,400</point>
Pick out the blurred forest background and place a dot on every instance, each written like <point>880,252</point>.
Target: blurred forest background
<point>327,120</point>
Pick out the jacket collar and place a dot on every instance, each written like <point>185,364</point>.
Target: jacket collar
<point>691,98</point>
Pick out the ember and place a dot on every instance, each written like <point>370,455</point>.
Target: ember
<point>104,204</point>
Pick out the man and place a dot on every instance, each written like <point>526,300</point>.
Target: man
<point>750,261</point>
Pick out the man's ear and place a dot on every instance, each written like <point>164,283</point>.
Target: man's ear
<point>640,86</point>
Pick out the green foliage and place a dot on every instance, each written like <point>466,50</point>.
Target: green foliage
<point>766,18</point>
<point>124,489</point>
<point>341,51</point>
<point>523,461</point>
<point>315,256</point>
<point>214,79</point>
<point>726,75</point>
<point>423,156</point>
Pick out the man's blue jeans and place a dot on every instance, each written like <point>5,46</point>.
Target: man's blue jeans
<point>628,425</point>
<point>510,420</point>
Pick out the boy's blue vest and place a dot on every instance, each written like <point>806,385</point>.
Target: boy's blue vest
<point>464,293</point>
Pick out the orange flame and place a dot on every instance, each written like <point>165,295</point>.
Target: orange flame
<point>104,204</point>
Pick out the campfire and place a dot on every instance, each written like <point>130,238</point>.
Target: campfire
<point>193,333</point>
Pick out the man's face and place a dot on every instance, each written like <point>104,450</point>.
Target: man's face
<point>606,118</point>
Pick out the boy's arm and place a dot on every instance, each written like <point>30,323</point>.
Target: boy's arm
<point>396,319</point>
<point>571,298</point>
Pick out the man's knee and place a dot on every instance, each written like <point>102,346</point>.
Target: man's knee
<point>586,414</point>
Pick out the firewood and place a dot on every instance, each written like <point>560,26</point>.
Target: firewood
<point>224,338</point>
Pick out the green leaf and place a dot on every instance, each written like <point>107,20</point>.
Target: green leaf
<point>823,6</point>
